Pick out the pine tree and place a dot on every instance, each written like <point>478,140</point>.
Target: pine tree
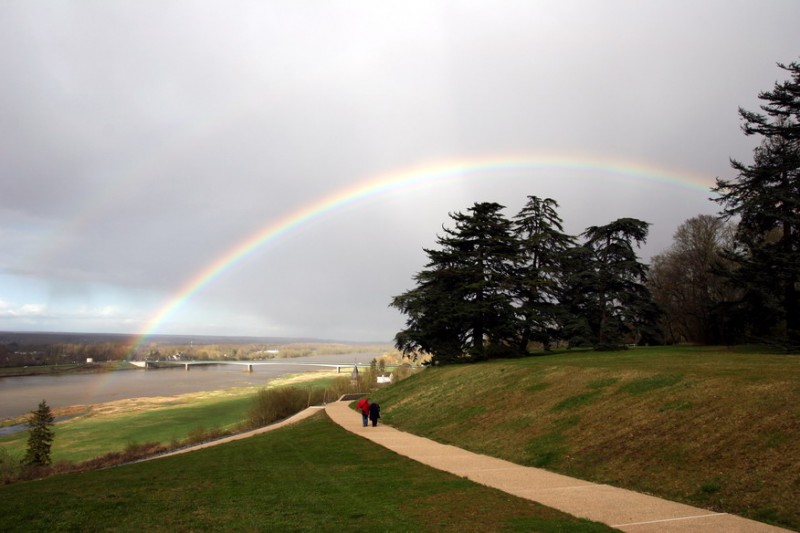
<point>765,195</point>
<point>607,296</point>
<point>542,266</point>
<point>461,309</point>
<point>493,286</point>
<point>40,438</point>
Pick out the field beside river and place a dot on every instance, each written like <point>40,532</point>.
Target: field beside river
<point>95,430</point>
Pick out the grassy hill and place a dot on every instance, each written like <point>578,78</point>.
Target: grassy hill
<point>716,428</point>
<point>312,476</point>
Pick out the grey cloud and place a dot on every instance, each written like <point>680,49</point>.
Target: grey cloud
<point>141,141</point>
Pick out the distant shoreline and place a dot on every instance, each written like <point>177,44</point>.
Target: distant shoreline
<point>50,337</point>
<point>65,369</point>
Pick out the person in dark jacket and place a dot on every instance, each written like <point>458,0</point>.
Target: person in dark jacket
<point>374,413</point>
<point>363,406</point>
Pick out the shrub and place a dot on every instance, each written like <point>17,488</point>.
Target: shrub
<point>271,405</point>
<point>200,434</point>
<point>338,387</point>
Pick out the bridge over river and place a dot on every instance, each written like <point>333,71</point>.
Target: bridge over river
<point>250,364</point>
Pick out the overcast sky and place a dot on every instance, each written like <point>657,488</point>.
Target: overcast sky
<point>141,141</point>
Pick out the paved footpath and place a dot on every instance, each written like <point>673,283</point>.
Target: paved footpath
<point>619,508</point>
<point>291,420</point>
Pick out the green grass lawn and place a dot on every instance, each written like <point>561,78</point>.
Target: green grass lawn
<point>714,427</point>
<point>312,476</point>
<point>87,439</point>
<point>114,426</point>
<point>90,436</point>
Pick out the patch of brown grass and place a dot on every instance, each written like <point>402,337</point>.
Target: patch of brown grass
<point>133,452</point>
<point>717,430</point>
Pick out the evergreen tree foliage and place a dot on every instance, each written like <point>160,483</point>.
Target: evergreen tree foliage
<point>461,308</point>
<point>765,196</point>
<point>543,262</point>
<point>607,296</point>
<point>40,438</point>
<point>494,286</point>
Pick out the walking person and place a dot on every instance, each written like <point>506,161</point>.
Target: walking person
<point>363,406</point>
<point>374,413</point>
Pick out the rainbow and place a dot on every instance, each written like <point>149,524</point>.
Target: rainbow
<point>410,178</point>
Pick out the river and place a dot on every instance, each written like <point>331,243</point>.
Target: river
<point>20,395</point>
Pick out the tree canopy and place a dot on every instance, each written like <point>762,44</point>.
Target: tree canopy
<point>460,307</point>
<point>765,197</point>
<point>609,299</point>
<point>687,282</point>
<point>495,286</point>
<point>541,268</point>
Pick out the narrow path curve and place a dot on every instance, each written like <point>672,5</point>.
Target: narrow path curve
<point>620,508</point>
<point>285,422</point>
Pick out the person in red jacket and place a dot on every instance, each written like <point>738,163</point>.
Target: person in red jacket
<point>363,406</point>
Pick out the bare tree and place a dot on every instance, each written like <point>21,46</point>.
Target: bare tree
<point>685,280</point>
